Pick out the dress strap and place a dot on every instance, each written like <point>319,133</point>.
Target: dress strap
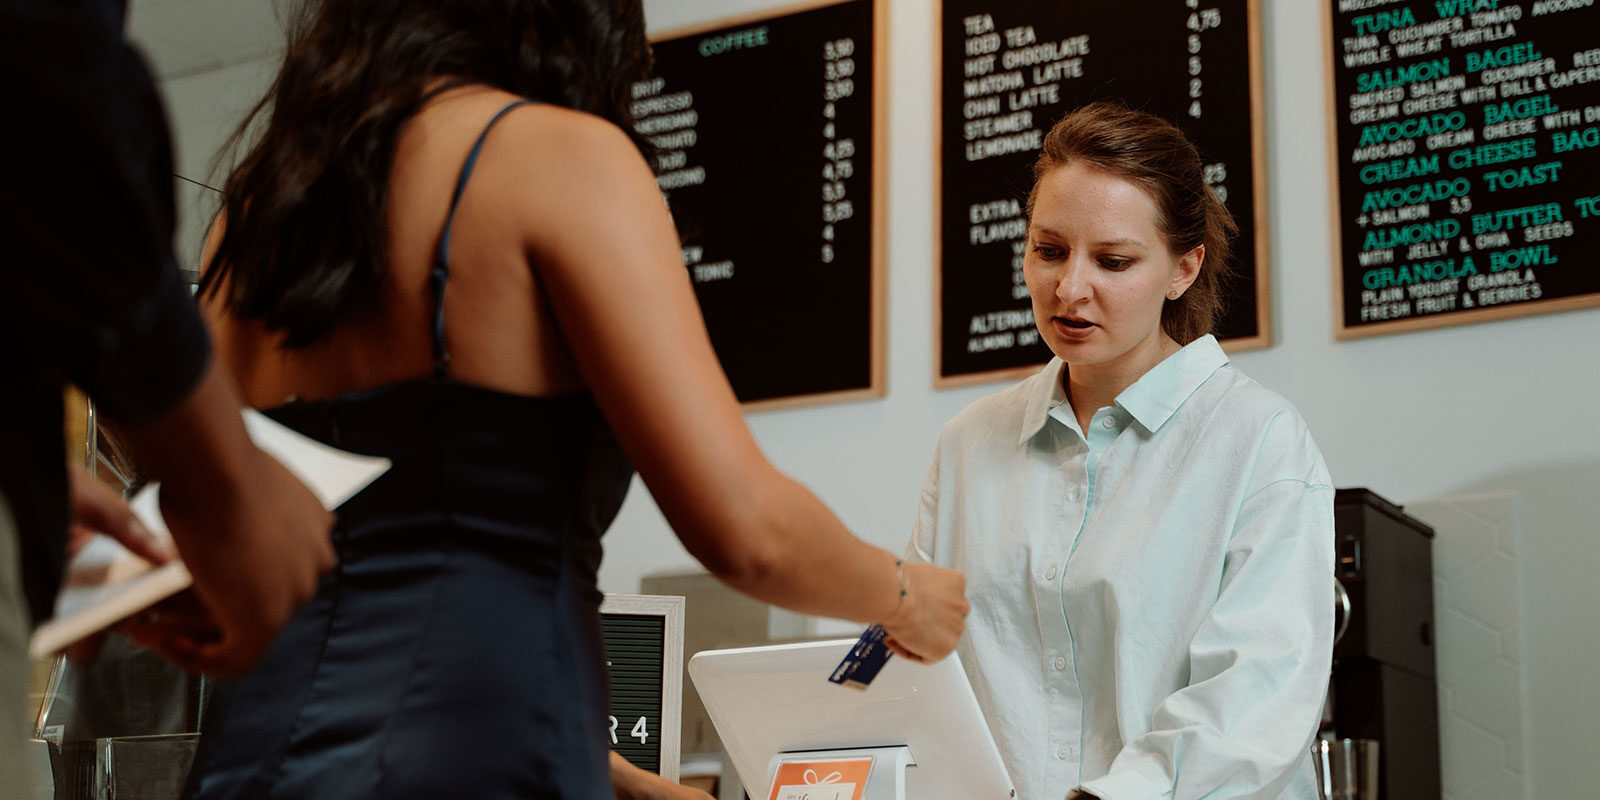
<point>440,273</point>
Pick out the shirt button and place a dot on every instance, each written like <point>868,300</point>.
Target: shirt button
<point>1050,574</point>
<point>1061,752</point>
<point>1110,422</point>
<point>1061,662</point>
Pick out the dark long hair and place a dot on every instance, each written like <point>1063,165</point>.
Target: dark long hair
<point>1151,152</point>
<point>305,240</point>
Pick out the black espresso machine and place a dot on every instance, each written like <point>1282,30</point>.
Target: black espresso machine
<point>1384,684</point>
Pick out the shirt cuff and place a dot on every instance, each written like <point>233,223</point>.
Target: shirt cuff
<point>1142,778</point>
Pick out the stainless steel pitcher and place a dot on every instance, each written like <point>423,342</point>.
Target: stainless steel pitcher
<point>1347,769</point>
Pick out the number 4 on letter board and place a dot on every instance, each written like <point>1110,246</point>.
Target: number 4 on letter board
<point>641,730</point>
<point>821,780</point>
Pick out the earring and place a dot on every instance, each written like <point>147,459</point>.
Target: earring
<point>1172,295</point>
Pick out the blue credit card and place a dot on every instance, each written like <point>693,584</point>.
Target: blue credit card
<point>864,660</point>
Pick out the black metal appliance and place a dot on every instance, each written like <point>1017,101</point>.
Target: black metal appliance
<point>1383,684</point>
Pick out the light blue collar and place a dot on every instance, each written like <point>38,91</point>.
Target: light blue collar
<point>1151,400</point>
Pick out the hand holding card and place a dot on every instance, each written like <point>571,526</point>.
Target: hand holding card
<point>864,660</point>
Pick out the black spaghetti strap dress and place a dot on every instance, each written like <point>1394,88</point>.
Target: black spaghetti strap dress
<point>455,650</point>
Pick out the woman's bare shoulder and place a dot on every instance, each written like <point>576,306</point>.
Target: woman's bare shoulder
<point>571,168</point>
<point>579,138</point>
<point>549,167</point>
<point>533,123</point>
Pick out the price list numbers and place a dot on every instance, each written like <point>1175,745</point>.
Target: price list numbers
<point>838,152</point>
<point>1462,128</point>
<point>1200,21</point>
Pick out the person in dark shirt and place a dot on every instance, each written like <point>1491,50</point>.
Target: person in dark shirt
<point>93,297</point>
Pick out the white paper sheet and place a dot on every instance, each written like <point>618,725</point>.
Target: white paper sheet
<point>106,583</point>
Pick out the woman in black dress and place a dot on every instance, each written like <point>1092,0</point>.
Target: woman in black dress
<point>444,248</point>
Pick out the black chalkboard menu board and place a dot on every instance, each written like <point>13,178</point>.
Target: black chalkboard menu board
<point>1466,160</point>
<point>769,134</point>
<point>643,638</point>
<point>1008,70</point>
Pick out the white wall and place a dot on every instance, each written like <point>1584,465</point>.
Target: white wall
<point>205,108</point>
<point>1497,407</point>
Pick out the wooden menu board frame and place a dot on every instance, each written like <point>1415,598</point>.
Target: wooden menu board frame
<point>1260,242</point>
<point>1343,331</point>
<point>878,301</point>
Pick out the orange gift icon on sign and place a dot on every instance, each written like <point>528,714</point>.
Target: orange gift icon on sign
<point>821,780</point>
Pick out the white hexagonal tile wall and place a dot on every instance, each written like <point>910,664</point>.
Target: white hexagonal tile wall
<point>1488,591</point>
<point>1479,649</point>
<point>1460,540</point>
<point>1488,699</point>
<point>1467,756</point>
<point>1511,643</point>
<point>1465,645</point>
<point>1499,786</point>
<point>1516,756</point>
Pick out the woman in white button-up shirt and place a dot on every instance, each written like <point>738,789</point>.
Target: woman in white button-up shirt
<point>1147,534</point>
